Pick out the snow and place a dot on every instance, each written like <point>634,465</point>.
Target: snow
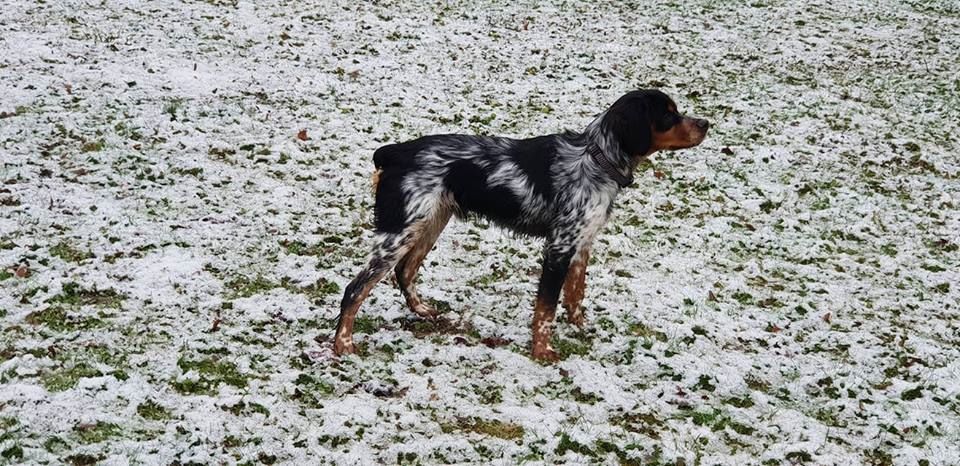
<point>785,293</point>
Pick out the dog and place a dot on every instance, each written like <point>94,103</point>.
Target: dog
<point>560,187</point>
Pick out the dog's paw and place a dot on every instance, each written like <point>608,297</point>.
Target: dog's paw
<point>546,354</point>
<point>344,346</point>
<point>424,310</point>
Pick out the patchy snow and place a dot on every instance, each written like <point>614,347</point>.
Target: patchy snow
<point>785,293</point>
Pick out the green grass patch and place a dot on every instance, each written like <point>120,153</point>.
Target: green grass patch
<point>300,248</point>
<point>912,394</point>
<point>67,378</point>
<point>743,402</point>
<point>194,172</point>
<point>96,433</point>
<point>56,319</point>
<point>491,428</point>
<point>640,423</point>
<point>567,444</point>
<point>244,287</point>
<point>368,324</point>
<point>12,453</point>
<point>55,445</point>
<point>311,391</point>
<point>566,347</point>
<point>212,372</point>
<point>243,408</point>
<point>69,253</point>
<point>743,298</point>
<point>74,294</point>
<point>319,289</point>
<point>705,382</point>
<point>153,411</point>
<point>93,146</point>
<point>84,459</point>
<point>717,420</point>
<point>641,330</point>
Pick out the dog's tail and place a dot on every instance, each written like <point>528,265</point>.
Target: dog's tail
<point>389,156</point>
<point>382,157</point>
<point>395,159</point>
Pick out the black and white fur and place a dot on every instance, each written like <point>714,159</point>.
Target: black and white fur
<point>547,186</point>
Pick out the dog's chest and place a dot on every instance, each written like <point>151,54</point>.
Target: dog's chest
<point>595,215</point>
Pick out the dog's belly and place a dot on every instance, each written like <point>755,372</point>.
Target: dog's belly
<point>502,206</point>
<point>510,203</point>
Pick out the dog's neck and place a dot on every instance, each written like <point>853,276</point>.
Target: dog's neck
<point>601,159</point>
<point>606,153</point>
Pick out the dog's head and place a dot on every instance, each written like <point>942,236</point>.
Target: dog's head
<point>645,121</point>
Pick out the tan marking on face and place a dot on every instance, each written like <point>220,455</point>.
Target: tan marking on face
<point>681,136</point>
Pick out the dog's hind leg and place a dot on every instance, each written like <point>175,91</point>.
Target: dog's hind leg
<point>408,266</point>
<point>385,255</point>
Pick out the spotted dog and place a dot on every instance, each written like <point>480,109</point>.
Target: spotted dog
<point>560,187</point>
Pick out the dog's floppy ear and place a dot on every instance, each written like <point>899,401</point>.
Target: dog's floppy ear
<point>628,124</point>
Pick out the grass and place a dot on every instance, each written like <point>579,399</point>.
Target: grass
<point>799,261</point>
<point>57,319</point>
<point>97,432</point>
<point>642,423</point>
<point>244,287</point>
<point>70,253</point>
<point>492,428</point>
<point>12,453</point>
<point>75,295</point>
<point>65,378</point>
<point>153,411</point>
<point>212,372</point>
<point>566,347</point>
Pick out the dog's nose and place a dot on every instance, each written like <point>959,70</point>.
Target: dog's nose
<point>703,124</point>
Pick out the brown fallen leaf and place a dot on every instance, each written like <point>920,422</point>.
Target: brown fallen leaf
<point>659,174</point>
<point>302,135</point>
<point>22,272</point>
<point>827,318</point>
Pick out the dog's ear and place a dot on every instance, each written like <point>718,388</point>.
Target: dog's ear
<point>628,123</point>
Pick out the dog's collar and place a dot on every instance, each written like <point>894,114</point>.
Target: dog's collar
<point>596,153</point>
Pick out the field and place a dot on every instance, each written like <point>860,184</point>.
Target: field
<point>185,192</point>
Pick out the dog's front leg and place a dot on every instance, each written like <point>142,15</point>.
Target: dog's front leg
<point>556,262</point>
<point>575,286</point>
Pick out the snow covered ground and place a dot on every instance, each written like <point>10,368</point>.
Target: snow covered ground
<point>786,293</point>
